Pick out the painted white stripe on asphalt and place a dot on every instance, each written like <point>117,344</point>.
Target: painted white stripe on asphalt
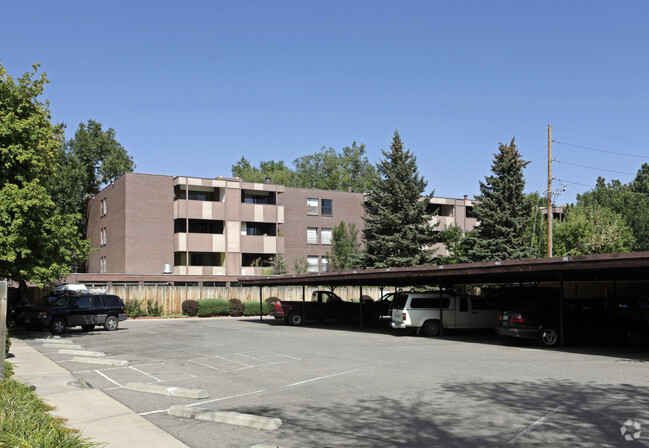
<point>144,373</point>
<point>108,378</point>
<point>207,365</point>
<point>322,377</point>
<point>205,402</point>
<point>537,423</point>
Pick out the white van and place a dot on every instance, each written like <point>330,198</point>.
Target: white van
<point>421,312</point>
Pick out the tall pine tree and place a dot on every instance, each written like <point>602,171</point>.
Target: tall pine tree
<point>397,228</point>
<point>502,210</point>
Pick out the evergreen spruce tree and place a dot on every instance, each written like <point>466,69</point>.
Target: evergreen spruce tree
<point>397,229</point>
<point>502,210</point>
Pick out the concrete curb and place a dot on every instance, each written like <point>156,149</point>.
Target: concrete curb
<point>229,418</point>
<point>88,353</point>
<point>170,391</point>
<point>103,361</point>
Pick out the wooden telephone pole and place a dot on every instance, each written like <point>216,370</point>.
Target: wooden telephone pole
<point>549,191</point>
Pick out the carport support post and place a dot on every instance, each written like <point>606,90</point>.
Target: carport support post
<point>3,325</point>
<point>261,303</point>
<point>561,310</point>
<point>303,304</point>
<point>441,310</point>
<point>360,308</point>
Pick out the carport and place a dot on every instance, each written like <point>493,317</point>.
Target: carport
<point>614,268</point>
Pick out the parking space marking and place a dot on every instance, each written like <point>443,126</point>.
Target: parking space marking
<point>206,365</point>
<point>144,373</point>
<point>108,378</point>
<point>536,423</point>
<point>206,402</point>
<point>322,378</point>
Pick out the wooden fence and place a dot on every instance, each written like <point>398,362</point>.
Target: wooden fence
<point>170,298</point>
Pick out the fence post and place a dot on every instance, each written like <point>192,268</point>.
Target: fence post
<point>3,325</point>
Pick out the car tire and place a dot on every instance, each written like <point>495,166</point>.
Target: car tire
<point>57,326</point>
<point>430,328</point>
<point>295,318</point>
<point>87,327</point>
<point>548,337</point>
<point>111,323</point>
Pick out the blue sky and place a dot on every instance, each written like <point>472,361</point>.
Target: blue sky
<point>191,87</point>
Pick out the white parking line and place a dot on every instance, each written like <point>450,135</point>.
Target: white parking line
<point>206,365</point>
<point>144,373</point>
<point>537,423</point>
<point>322,378</point>
<point>108,378</point>
<point>205,402</point>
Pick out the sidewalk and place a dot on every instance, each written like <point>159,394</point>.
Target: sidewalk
<point>98,417</point>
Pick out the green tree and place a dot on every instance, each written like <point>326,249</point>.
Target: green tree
<point>457,245</point>
<point>591,229</point>
<point>277,172</point>
<point>277,266</point>
<point>397,227</point>
<point>90,160</point>
<point>332,170</point>
<point>630,201</point>
<point>37,243</point>
<point>301,266</point>
<point>502,210</point>
<point>345,248</point>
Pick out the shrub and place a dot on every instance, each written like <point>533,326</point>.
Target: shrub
<point>236,307</point>
<point>252,308</point>
<point>153,308</point>
<point>270,303</point>
<point>7,342</point>
<point>134,308</point>
<point>213,307</point>
<point>190,307</point>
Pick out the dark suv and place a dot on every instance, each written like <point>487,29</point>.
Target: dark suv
<point>86,310</point>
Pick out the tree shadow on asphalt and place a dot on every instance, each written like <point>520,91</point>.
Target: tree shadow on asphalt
<point>475,414</point>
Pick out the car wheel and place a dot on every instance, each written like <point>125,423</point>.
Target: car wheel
<point>295,318</point>
<point>430,328</point>
<point>57,326</point>
<point>87,327</point>
<point>111,323</point>
<point>548,337</point>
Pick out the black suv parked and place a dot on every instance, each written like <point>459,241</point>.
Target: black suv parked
<point>86,310</point>
<point>625,319</point>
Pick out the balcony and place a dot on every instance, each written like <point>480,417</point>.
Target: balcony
<point>262,244</point>
<point>199,242</point>
<point>199,209</point>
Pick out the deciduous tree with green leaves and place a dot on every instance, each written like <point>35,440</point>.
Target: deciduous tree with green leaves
<point>37,243</point>
<point>397,230</point>
<point>345,247</point>
<point>502,210</point>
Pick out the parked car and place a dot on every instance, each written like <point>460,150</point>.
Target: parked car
<point>323,305</point>
<point>423,312</point>
<point>621,319</point>
<point>86,310</point>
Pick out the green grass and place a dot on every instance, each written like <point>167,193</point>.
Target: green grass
<point>25,423</point>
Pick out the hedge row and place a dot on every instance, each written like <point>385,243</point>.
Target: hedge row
<point>222,307</point>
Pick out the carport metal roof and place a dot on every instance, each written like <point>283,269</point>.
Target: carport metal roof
<point>631,266</point>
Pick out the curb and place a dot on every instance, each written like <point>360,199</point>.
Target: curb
<point>230,418</point>
<point>103,361</point>
<point>88,353</point>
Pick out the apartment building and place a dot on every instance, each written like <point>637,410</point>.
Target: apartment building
<point>222,228</point>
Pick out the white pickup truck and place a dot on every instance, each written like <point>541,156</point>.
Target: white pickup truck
<point>421,312</point>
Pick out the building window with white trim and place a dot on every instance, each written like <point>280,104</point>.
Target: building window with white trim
<point>312,235</point>
<point>102,265</point>
<point>102,208</point>
<point>312,206</point>
<point>102,236</point>
<point>325,264</point>
<point>325,235</point>
<point>327,207</point>
<point>312,261</point>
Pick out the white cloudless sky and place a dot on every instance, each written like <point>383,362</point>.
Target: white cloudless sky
<point>191,87</point>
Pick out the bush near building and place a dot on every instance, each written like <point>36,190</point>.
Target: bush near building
<point>236,307</point>
<point>213,307</point>
<point>190,308</point>
<point>252,308</point>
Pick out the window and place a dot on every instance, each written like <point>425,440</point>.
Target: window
<point>325,264</point>
<point>198,226</point>
<point>312,206</point>
<point>102,265</point>
<point>102,236</point>
<point>312,235</point>
<point>102,208</point>
<point>326,236</point>
<point>199,259</point>
<point>327,207</point>
<point>257,197</point>
<point>312,261</point>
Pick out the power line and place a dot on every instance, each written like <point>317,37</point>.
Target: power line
<point>601,150</point>
<point>603,135</point>
<point>574,183</point>
<point>592,168</point>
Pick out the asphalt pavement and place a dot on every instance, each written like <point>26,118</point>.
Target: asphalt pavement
<point>99,417</point>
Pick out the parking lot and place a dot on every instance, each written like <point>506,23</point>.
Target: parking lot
<point>334,386</point>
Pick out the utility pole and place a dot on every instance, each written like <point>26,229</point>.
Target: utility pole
<point>549,191</point>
